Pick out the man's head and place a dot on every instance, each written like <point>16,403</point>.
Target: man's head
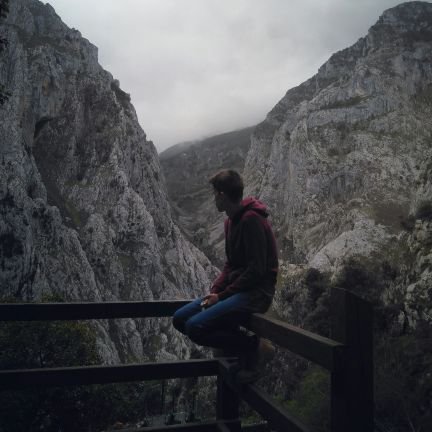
<point>228,188</point>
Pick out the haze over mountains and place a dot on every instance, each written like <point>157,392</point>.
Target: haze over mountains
<point>186,168</point>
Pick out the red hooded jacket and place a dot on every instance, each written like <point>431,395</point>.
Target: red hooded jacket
<point>250,247</point>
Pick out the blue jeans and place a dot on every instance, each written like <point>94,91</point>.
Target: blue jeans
<point>218,325</point>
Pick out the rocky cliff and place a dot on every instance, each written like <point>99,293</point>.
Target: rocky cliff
<point>186,168</point>
<point>84,211</point>
<point>344,159</point>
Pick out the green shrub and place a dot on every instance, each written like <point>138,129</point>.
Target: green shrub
<point>362,279</point>
<point>25,345</point>
<point>403,380</point>
<point>402,355</point>
<point>424,210</point>
<point>355,100</point>
<point>333,151</point>
<point>408,223</point>
<point>38,345</point>
<point>316,283</point>
<point>311,402</point>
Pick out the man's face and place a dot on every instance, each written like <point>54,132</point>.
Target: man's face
<point>219,200</point>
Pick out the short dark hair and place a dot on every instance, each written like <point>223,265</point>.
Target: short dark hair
<point>229,182</point>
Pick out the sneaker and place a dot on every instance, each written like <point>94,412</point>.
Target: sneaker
<point>263,354</point>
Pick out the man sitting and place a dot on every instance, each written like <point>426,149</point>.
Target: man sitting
<point>245,285</point>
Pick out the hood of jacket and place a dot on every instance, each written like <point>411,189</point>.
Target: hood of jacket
<point>251,204</point>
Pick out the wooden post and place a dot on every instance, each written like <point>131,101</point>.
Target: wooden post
<point>352,405</point>
<point>228,401</point>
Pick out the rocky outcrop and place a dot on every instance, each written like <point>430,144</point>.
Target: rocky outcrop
<point>186,168</point>
<point>84,210</point>
<point>339,158</point>
<point>344,163</point>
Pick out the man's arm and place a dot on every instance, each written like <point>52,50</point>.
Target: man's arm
<point>221,281</point>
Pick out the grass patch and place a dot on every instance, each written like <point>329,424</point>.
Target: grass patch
<point>424,210</point>
<point>390,214</point>
<point>312,400</point>
<point>424,97</point>
<point>128,263</point>
<point>78,217</point>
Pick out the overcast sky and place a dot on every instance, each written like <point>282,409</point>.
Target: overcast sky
<point>196,68</point>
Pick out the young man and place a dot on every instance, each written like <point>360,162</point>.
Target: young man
<point>246,283</point>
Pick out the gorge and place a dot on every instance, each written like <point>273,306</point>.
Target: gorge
<point>344,161</point>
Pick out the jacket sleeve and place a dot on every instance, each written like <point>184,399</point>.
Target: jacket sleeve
<point>221,281</point>
<point>255,245</point>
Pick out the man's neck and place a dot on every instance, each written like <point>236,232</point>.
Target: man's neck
<point>232,209</point>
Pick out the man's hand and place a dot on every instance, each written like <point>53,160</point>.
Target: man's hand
<point>211,299</point>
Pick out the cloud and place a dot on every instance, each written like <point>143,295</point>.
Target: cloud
<point>195,68</point>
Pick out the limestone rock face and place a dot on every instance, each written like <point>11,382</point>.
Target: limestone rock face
<point>338,158</point>
<point>186,168</point>
<point>83,206</point>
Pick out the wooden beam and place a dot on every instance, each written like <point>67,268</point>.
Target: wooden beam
<point>352,397</point>
<point>259,427</point>
<point>227,401</point>
<point>88,310</point>
<point>311,346</point>
<point>318,349</point>
<point>229,425</point>
<point>278,418</point>
<point>205,426</point>
<point>19,379</point>
<point>184,427</point>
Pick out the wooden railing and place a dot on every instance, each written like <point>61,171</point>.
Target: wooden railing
<point>348,358</point>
